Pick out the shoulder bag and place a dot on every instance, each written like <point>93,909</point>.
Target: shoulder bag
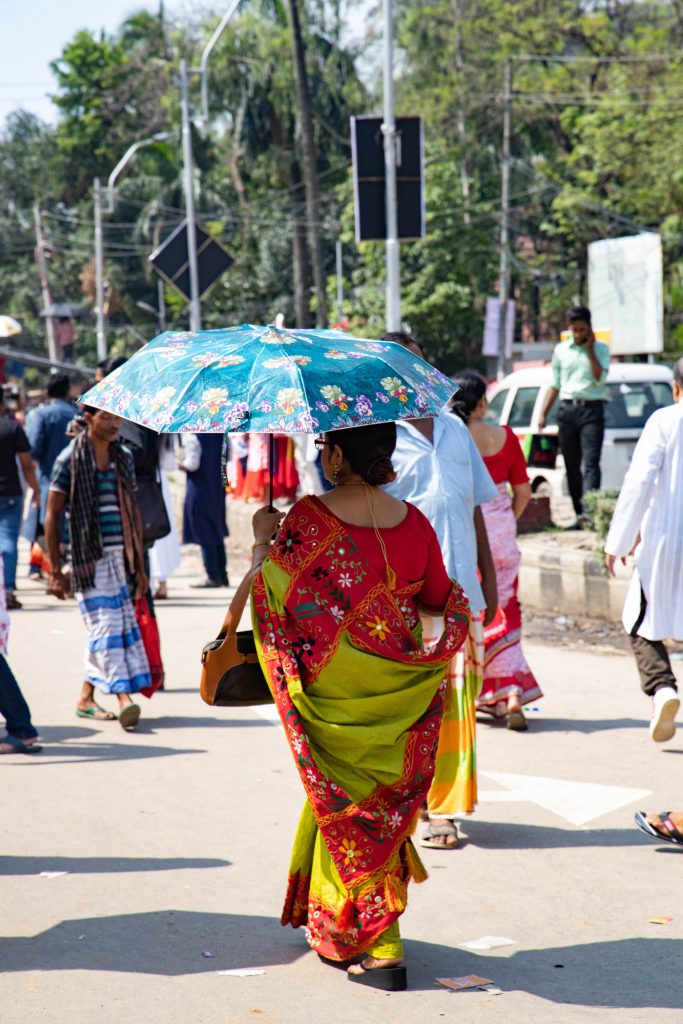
<point>231,674</point>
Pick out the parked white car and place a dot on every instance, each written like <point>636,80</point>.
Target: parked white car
<point>635,390</point>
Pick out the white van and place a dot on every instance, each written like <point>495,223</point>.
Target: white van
<point>634,391</point>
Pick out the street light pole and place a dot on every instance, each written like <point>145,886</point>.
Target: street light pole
<point>188,179</point>
<point>504,270</point>
<point>232,10</point>
<point>99,274</point>
<point>99,232</point>
<point>393,282</point>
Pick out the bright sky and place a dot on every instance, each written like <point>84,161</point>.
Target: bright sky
<point>35,31</point>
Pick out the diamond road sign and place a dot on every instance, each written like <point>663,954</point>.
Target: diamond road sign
<point>171,261</point>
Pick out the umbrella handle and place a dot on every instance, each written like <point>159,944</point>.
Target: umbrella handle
<point>271,461</point>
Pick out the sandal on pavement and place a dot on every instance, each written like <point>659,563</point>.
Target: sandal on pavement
<point>389,979</point>
<point>17,746</point>
<point>97,713</point>
<point>446,831</point>
<point>129,716</point>
<point>673,836</point>
<point>517,721</point>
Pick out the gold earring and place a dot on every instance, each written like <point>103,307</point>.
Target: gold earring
<point>335,474</point>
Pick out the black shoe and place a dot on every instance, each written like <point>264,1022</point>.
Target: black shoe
<point>576,525</point>
<point>13,601</point>
<point>207,584</point>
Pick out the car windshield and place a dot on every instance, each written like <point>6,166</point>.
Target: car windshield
<point>493,413</point>
<point>632,403</point>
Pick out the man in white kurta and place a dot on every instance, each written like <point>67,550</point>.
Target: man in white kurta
<point>649,517</point>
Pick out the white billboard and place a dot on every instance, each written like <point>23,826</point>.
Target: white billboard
<point>625,292</point>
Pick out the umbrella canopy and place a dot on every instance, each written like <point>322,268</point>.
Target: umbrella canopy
<point>9,326</point>
<point>59,310</point>
<point>270,380</point>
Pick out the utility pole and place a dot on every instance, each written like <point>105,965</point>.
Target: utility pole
<point>99,273</point>
<point>504,271</point>
<point>188,180</point>
<point>340,280</point>
<point>44,285</point>
<point>393,282</point>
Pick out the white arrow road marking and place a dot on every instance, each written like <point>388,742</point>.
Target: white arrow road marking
<point>267,711</point>
<point>576,802</point>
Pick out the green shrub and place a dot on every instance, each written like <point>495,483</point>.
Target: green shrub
<point>598,509</point>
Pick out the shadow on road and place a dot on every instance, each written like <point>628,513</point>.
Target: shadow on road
<point>585,725</point>
<point>623,974</point>
<point>189,722</point>
<point>168,943</point>
<point>103,865</point>
<point>496,835</point>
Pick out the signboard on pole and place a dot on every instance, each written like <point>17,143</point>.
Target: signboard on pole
<point>367,148</point>
<point>171,260</point>
<point>625,291</point>
<point>492,328</point>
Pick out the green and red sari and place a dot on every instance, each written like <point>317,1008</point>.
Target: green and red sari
<point>361,702</point>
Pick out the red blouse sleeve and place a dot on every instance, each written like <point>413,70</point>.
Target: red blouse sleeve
<point>518,471</point>
<point>437,585</point>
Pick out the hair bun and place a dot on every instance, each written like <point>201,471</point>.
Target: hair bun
<point>380,471</point>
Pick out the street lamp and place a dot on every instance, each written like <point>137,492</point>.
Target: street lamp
<point>393,281</point>
<point>188,175</point>
<point>99,232</point>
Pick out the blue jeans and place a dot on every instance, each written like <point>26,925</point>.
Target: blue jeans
<point>13,707</point>
<point>10,521</point>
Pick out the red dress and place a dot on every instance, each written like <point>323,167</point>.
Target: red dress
<point>505,668</point>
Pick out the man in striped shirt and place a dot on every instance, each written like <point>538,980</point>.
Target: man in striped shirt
<point>94,476</point>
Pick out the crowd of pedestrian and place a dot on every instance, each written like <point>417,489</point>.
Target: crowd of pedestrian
<point>422,517</point>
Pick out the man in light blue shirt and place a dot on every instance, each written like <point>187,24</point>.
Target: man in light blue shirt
<point>579,369</point>
<point>439,469</point>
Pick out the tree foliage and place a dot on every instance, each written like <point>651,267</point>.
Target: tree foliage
<point>596,112</point>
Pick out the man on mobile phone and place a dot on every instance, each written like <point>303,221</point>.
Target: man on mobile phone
<point>579,369</point>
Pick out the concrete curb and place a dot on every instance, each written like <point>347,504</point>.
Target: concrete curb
<point>557,577</point>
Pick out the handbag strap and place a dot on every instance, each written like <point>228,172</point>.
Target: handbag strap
<point>236,607</point>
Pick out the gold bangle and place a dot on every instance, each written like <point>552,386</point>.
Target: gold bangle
<point>260,544</point>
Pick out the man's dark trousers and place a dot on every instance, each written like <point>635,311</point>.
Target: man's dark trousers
<point>581,427</point>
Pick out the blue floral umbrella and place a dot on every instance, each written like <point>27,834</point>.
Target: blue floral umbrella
<point>269,380</point>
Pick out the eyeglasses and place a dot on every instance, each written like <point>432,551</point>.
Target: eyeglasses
<point>321,443</point>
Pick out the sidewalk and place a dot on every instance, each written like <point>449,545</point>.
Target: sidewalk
<point>175,841</point>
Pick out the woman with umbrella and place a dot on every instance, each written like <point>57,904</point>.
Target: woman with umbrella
<point>335,606</point>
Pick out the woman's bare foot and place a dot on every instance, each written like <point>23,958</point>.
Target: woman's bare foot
<point>161,593</point>
<point>371,963</point>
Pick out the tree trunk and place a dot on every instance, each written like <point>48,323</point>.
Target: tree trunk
<point>300,262</point>
<point>309,162</point>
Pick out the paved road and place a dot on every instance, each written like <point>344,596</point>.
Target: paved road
<point>175,843</point>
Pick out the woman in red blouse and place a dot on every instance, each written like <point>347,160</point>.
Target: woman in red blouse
<point>508,680</point>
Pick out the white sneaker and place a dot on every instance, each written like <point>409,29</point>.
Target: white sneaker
<point>665,705</point>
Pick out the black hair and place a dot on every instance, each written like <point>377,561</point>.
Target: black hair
<point>403,338</point>
<point>113,364</point>
<point>678,372</point>
<point>472,388</point>
<point>579,313</point>
<point>58,385</point>
<point>368,450</point>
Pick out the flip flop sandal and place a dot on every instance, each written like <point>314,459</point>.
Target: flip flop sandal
<point>18,747</point>
<point>674,836</point>
<point>341,965</point>
<point>129,716</point>
<point>389,979</point>
<point>448,829</point>
<point>92,713</point>
<point>516,721</point>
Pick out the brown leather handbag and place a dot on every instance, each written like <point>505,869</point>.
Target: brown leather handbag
<point>231,674</point>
